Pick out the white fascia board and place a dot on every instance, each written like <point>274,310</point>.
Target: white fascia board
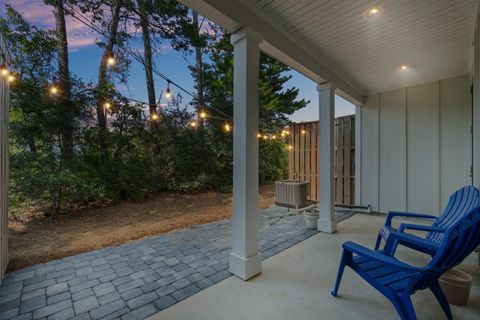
<point>233,15</point>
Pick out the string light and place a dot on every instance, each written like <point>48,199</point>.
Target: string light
<point>155,117</point>
<point>4,70</point>
<point>168,94</point>
<point>53,90</point>
<point>193,124</point>
<point>227,127</point>
<point>11,78</point>
<point>290,147</point>
<point>111,61</point>
<point>265,137</point>
<point>304,131</point>
<point>259,135</point>
<point>203,114</point>
<point>107,105</point>
<point>274,137</point>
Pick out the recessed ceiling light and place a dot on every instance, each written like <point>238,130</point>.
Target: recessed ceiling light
<point>373,11</point>
<point>403,67</point>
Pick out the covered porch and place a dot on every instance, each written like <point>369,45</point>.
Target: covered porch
<point>296,284</point>
<point>411,69</point>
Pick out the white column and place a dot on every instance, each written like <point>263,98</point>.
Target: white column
<point>245,261</point>
<point>326,220</point>
<point>358,155</point>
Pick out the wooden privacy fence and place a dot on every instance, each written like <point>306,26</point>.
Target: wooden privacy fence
<point>303,157</point>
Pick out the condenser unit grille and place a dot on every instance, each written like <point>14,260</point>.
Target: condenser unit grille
<point>291,194</point>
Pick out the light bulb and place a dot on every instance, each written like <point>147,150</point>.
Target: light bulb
<point>53,90</point>
<point>11,78</point>
<point>4,70</point>
<point>193,124</point>
<point>290,147</point>
<point>168,94</point>
<point>304,131</point>
<point>154,116</point>
<point>203,114</point>
<point>107,105</point>
<point>259,135</point>
<point>373,11</point>
<point>227,127</point>
<point>110,61</point>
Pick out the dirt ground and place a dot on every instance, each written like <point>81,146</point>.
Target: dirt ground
<point>39,241</point>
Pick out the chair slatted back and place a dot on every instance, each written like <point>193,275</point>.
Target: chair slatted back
<point>458,242</point>
<point>459,203</point>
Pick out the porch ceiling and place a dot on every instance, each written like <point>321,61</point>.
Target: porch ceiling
<point>339,41</point>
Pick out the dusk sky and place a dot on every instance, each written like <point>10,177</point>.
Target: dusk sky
<point>85,56</point>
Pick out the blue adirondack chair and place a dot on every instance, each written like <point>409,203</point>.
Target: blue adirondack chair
<point>459,203</point>
<point>397,280</point>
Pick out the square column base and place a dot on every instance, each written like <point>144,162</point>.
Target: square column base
<point>245,268</point>
<point>328,226</point>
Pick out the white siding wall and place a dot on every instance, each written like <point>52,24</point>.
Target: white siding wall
<point>416,146</point>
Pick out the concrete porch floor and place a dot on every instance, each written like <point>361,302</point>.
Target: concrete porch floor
<point>296,284</point>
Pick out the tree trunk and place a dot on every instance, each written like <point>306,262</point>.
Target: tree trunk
<point>147,57</point>
<point>198,70</point>
<point>64,80</point>
<point>102,72</point>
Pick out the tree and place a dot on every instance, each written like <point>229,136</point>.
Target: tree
<point>103,81</point>
<point>159,20</point>
<point>198,42</point>
<point>32,51</point>
<point>276,102</point>
<point>64,97</point>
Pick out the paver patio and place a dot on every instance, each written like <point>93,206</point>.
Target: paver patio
<point>137,279</point>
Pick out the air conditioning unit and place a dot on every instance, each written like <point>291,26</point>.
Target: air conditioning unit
<point>291,194</point>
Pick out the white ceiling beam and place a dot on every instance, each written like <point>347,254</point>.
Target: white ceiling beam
<point>233,15</point>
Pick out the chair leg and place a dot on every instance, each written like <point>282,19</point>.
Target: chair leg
<point>379,240</point>
<point>438,292</point>
<point>341,268</point>
<point>404,307</point>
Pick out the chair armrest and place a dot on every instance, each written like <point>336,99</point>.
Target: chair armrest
<point>407,239</point>
<point>377,255</point>
<point>392,214</point>
<point>405,226</point>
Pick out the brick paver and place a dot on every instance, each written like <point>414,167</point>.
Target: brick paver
<point>135,280</point>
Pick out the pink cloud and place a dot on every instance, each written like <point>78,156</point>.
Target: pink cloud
<point>41,15</point>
